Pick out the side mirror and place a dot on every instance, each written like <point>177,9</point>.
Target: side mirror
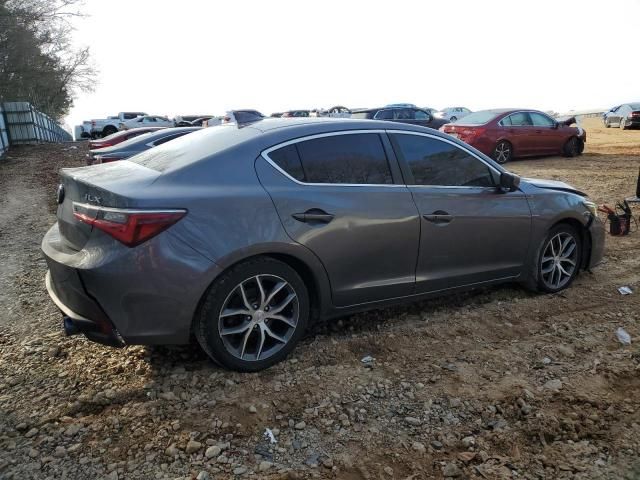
<point>509,182</point>
<point>555,125</point>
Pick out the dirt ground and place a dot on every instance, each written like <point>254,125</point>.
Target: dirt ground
<point>495,384</point>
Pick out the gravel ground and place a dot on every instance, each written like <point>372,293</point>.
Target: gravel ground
<point>495,384</point>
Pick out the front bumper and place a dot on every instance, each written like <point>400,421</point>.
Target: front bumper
<point>597,232</point>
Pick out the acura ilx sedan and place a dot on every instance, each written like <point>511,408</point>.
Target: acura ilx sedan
<point>243,234</point>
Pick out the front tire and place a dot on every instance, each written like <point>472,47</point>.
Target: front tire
<point>623,124</point>
<point>558,259</point>
<point>503,152</point>
<point>573,147</point>
<point>253,315</point>
<point>453,119</point>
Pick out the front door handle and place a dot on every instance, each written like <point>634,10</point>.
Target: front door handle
<point>312,216</point>
<point>438,217</point>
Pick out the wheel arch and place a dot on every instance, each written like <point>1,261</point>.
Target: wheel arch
<point>303,261</point>
<point>585,237</point>
<point>506,140</point>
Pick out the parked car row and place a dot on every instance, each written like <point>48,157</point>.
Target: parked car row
<point>139,142</point>
<point>100,128</point>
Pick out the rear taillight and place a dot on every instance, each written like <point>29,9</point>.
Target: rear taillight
<point>470,134</point>
<point>226,119</point>
<point>93,123</point>
<point>130,227</point>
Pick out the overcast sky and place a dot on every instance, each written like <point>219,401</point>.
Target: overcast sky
<point>187,57</point>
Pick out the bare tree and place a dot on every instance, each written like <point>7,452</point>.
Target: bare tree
<point>38,62</point>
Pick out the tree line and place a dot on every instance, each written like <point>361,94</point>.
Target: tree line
<point>38,63</point>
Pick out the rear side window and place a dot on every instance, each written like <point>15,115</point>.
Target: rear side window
<point>287,159</point>
<point>438,163</point>
<point>384,115</point>
<point>346,159</point>
<point>520,119</point>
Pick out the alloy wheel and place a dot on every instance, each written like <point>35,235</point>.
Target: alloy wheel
<point>559,260</point>
<point>502,152</point>
<point>258,317</point>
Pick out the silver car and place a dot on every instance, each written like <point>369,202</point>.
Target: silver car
<point>451,114</point>
<point>624,116</point>
<point>242,235</point>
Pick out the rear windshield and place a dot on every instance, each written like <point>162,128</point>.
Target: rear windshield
<point>635,106</point>
<point>478,118</point>
<point>190,148</point>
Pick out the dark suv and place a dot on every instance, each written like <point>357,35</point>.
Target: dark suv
<point>411,115</point>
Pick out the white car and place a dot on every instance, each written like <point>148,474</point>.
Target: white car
<point>103,127</point>
<point>236,116</point>
<point>147,121</point>
<point>453,113</point>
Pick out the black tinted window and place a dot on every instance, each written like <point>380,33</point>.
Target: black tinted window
<point>435,162</point>
<point>287,159</point>
<point>384,115</point>
<point>169,138</point>
<point>356,159</point>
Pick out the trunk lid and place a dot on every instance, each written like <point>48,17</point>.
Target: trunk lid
<point>107,185</point>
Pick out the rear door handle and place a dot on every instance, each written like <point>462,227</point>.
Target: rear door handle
<point>313,216</point>
<point>438,217</point>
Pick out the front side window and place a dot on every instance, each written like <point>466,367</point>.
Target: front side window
<point>347,159</point>
<point>438,163</point>
<point>402,114</point>
<point>540,120</point>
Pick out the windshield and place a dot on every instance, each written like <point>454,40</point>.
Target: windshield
<point>479,118</point>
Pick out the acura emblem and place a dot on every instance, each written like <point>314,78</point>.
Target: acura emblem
<point>60,194</point>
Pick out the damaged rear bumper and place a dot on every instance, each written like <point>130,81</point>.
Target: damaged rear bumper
<point>99,330</point>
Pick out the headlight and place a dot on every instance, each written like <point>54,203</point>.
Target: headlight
<point>592,207</point>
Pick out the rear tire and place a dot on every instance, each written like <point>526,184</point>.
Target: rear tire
<point>573,147</point>
<point>253,316</point>
<point>109,130</point>
<point>503,152</point>
<point>558,259</point>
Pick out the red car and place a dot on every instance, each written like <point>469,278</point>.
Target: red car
<point>118,137</point>
<point>507,134</point>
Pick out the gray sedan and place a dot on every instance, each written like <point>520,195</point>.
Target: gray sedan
<point>135,145</point>
<point>244,235</point>
<point>624,116</point>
